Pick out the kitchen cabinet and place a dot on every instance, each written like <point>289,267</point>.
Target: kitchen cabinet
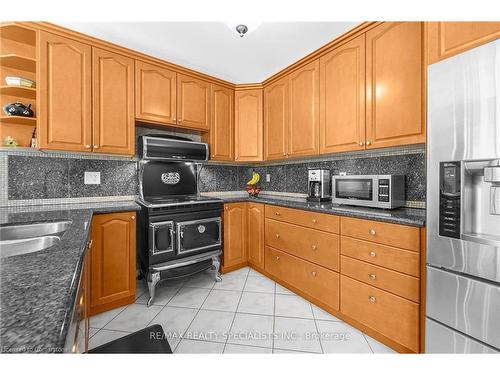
<point>446,39</point>
<point>113,100</point>
<point>113,261</point>
<point>342,97</point>
<point>65,88</point>
<point>395,90</point>
<point>235,232</point>
<point>276,119</point>
<point>303,134</point>
<point>248,139</point>
<point>221,136</point>
<point>193,103</point>
<point>155,93</point>
<point>255,234</point>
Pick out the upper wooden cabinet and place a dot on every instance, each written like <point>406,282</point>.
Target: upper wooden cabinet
<point>304,110</point>
<point>113,98</point>
<point>155,93</point>
<point>255,234</point>
<point>222,129</point>
<point>276,119</point>
<point>112,261</point>
<point>248,140</point>
<point>65,89</point>
<point>446,39</point>
<point>342,96</point>
<point>394,85</point>
<point>235,230</point>
<point>193,103</point>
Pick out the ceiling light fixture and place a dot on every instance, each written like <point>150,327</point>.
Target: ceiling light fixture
<point>243,28</point>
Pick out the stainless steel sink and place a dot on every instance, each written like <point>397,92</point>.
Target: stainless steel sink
<point>28,245</point>
<point>24,231</point>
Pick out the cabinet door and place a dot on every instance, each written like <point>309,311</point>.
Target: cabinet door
<point>65,88</point>
<point>255,223</point>
<point>248,140</point>
<point>235,234</point>
<point>342,95</point>
<point>155,93</point>
<point>446,39</point>
<point>221,132</point>
<point>193,103</point>
<point>113,98</point>
<point>276,119</point>
<point>113,261</point>
<point>304,111</point>
<point>394,85</point>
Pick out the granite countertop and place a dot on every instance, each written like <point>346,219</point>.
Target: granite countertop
<point>406,216</point>
<point>38,290</point>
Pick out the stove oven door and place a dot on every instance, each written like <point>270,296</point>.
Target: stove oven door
<point>198,235</point>
<point>161,238</point>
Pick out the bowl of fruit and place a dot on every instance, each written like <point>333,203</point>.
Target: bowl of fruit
<point>253,187</point>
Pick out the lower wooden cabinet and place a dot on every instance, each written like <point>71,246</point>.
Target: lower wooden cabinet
<point>112,261</point>
<point>386,313</point>
<point>255,228</point>
<point>235,236</point>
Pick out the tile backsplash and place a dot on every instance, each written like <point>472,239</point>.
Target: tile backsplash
<point>33,176</point>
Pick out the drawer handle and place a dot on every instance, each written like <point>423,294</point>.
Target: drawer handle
<point>314,247</point>
<point>277,213</point>
<point>277,258</point>
<point>372,232</point>
<point>313,273</point>
<point>314,221</point>
<point>372,276</point>
<point>373,254</point>
<point>277,235</point>
<point>372,299</point>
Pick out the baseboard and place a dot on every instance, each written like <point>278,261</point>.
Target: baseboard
<point>234,267</point>
<point>93,310</point>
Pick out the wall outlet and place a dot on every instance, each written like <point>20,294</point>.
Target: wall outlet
<point>92,178</point>
<point>268,177</point>
<point>342,173</point>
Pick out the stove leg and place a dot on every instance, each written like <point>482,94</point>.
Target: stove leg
<point>155,277</point>
<point>216,268</point>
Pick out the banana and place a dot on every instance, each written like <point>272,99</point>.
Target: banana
<point>255,179</point>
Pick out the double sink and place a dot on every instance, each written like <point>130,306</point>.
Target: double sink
<point>28,238</point>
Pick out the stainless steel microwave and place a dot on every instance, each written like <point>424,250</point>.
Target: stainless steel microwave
<point>380,191</point>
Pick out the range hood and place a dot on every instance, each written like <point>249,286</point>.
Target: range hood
<point>161,147</point>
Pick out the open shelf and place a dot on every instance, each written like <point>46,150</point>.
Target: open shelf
<point>18,120</point>
<point>20,91</point>
<point>18,33</point>
<point>27,64</point>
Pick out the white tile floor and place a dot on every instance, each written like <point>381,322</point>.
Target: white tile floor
<point>244,313</point>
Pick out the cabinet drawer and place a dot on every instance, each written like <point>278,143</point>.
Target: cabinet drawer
<point>316,281</point>
<point>313,245</point>
<point>392,316</point>
<point>384,233</point>
<point>389,257</point>
<point>391,281</point>
<point>325,222</point>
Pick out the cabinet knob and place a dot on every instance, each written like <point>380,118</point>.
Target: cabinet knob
<point>361,143</point>
<point>179,121</point>
<point>368,143</point>
<point>174,119</point>
<point>133,217</point>
<point>372,232</point>
<point>277,258</point>
<point>372,299</point>
<point>313,273</point>
<point>277,213</point>
<point>96,146</point>
<point>314,221</point>
<point>373,254</point>
<point>372,276</point>
<point>277,235</point>
<point>87,146</point>
<point>314,247</point>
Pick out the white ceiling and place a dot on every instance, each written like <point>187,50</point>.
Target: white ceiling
<point>213,48</point>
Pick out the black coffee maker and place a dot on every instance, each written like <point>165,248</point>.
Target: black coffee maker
<point>318,185</point>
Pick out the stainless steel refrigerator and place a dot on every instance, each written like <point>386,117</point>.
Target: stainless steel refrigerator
<point>463,203</point>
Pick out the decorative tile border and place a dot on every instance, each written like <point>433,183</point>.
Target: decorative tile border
<point>26,151</point>
<point>61,201</point>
